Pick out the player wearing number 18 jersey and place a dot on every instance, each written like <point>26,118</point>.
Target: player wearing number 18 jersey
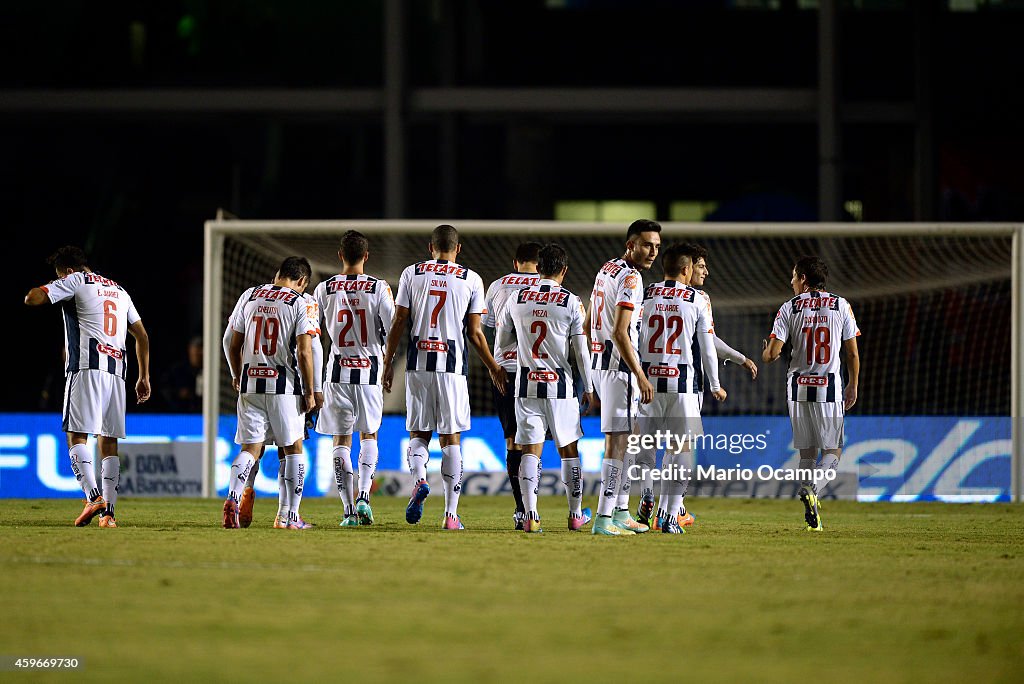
<point>97,314</point>
<point>816,323</point>
<point>440,302</point>
<point>358,310</point>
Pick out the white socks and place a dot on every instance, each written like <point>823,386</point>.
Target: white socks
<point>253,472</point>
<point>294,478</point>
<point>240,468</point>
<point>611,474</point>
<point>623,499</point>
<point>110,469</point>
<point>282,490</point>
<point>344,477</point>
<point>529,479</point>
<point>647,460</point>
<point>671,490</point>
<point>367,466</point>
<point>85,471</point>
<point>829,462</point>
<point>572,478</point>
<point>451,472</point>
<point>418,456</point>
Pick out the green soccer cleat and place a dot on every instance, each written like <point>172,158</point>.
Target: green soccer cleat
<point>812,514</point>
<point>363,512</point>
<point>605,526</point>
<point>624,520</point>
<point>350,521</point>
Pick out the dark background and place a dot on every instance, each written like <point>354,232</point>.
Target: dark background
<point>920,86</point>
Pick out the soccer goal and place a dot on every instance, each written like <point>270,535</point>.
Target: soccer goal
<point>939,306</point>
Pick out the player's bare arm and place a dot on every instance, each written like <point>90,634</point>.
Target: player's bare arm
<point>398,326</point>
<point>142,388</point>
<point>853,367</point>
<point>476,337</point>
<point>235,359</point>
<point>623,344</point>
<point>36,296</point>
<point>304,352</point>
<point>772,350</point>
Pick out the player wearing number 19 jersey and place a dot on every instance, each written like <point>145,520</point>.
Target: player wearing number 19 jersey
<point>97,314</point>
<point>816,323</point>
<point>358,310</point>
<point>440,302</point>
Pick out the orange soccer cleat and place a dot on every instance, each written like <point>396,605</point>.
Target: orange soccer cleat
<point>91,510</point>
<point>245,507</point>
<point>107,521</point>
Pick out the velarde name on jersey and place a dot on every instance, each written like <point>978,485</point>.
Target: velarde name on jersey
<point>441,268</point>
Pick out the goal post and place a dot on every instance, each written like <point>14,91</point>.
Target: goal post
<point>902,273</point>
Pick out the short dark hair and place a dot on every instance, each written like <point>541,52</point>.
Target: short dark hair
<point>295,268</point>
<point>445,238</point>
<point>552,259</point>
<point>528,251</point>
<point>67,257</point>
<point>642,226</point>
<point>354,246</point>
<point>675,259</point>
<point>813,269</point>
<point>694,251</point>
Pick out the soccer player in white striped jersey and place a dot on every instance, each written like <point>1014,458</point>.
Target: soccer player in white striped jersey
<point>358,310</point>
<point>271,363</point>
<point>501,291</point>
<point>816,323</point>
<point>614,322</point>
<point>440,302</point>
<point>544,321</point>
<point>675,324</point>
<point>97,314</point>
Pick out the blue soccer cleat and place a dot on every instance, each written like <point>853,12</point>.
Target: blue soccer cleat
<point>414,511</point>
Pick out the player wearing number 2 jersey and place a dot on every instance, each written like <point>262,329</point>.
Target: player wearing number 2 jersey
<point>358,310</point>
<point>440,302</point>
<point>271,363</point>
<point>816,323</point>
<point>97,314</point>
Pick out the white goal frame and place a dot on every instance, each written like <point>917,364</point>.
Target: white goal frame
<point>216,230</point>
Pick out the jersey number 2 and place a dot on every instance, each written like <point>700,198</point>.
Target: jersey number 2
<point>542,328</point>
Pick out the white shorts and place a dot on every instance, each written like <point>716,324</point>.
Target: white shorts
<point>620,397</point>
<point>350,408</point>
<point>266,417</point>
<point>817,424</point>
<point>436,402</point>
<point>534,417</point>
<point>94,403</point>
<point>674,412</point>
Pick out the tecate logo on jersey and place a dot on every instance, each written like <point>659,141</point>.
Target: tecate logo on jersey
<point>109,351</point>
<point>812,381</point>
<point>262,372</point>
<point>432,346</point>
<point>543,376</point>
<point>354,362</point>
<point>662,372</point>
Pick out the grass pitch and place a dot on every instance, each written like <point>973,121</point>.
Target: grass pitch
<point>889,592</point>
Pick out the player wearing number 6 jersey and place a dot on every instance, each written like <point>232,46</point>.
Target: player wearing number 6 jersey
<point>358,310</point>
<point>816,322</point>
<point>272,369</point>
<point>544,320</point>
<point>440,302</point>
<point>97,314</point>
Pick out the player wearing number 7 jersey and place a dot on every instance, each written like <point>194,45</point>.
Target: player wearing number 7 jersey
<point>814,322</point>
<point>440,302</point>
<point>358,310</point>
<point>97,314</point>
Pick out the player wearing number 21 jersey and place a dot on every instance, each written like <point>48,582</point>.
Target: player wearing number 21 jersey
<point>439,304</point>
<point>816,323</point>
<point>272,369</point>
<point>97,314</point>
<point>546,320</point>
<point>358,311</point>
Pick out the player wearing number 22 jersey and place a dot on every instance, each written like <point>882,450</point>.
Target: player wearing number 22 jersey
<point>97,314</point>
<point>439,304</point>
<point>817,323</point>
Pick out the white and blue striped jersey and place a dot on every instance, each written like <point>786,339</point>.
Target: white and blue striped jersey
<point>97,312</point>
<point>545,318</point>
<point>358,311</point>
<point>816,323</point>
<point>499,294</point>
<point>618,284</point>
<point>439,296</point>
<point>271,318</point>
<point>675,320</point>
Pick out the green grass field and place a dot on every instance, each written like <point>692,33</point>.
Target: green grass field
<point>890,592</point>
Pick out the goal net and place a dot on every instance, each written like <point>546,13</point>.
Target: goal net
<point>935,303</point>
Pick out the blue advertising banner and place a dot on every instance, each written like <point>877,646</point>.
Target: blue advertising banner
<point>893,458</point>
